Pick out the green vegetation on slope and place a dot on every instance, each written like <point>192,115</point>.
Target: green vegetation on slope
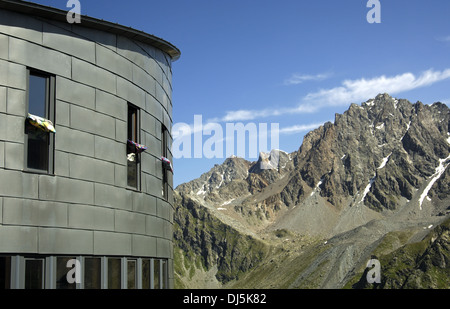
<point>420,265</point>
<point>203,242</point>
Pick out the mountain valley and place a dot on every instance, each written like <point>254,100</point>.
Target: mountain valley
<point>373,184</point>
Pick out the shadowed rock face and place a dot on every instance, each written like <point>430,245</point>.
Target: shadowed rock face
<point>380,167</point>
<point>389,144</point>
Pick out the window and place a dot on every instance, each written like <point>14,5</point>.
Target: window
<point>164,274</point>
<point>164,146</point>
<point>61,273</point>
<point>146,280</point>
<point>133,165</point>
<point>156,274</point>
<point>114,273</point>
<point>5,273</point>
<point>39,143</point>
<point>34,273</point>
<point>92,273</point>
<point>132,274</point>
<point>39,272</point>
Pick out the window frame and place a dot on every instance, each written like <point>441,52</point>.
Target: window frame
<point>133,279</point>
<point>50,93</point>
<point>40,260</point>
<point>136,134</point>
<point>164,153</point>
<point>113,272</point>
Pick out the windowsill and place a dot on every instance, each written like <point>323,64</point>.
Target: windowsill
<point>39,172</point>
<point>133,189</point>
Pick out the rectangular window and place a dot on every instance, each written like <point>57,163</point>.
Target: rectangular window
<point>114,273</point>
<point>164,152</point>
<point>34,273</point>
<point>164,278</point>
<point>92,273</point>
<point>146,284</point>
<point>61,273</point>
<point>133,165</point>
<point>132,274</point>
<point>39,143</point>
<point>156,274</point>
<point>5,273</point>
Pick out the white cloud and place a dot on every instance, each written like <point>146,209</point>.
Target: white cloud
<point>443,38</point>
<point>300,128</point>
<point>351,91</point>
<point>243,115</point>
<point>296,78</point>
<point>246,115</point>
<point>354,91</point>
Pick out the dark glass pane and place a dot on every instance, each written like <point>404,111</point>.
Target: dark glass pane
<point>114,271</point>
<point>132,161</point>
<point>5,273</point>
<point>34,274</point>
<point>132,123</point>
<point>38,142</point>
<point>164,142</point>
<point>132,173</point>
<point>146,274</point>
<point>92,273</point>
<point>164,154</point>
<point>156,274</point>
<point>131,269</point>
<point>37,95</point>
<point>61,273</point>
<point>164,274</point>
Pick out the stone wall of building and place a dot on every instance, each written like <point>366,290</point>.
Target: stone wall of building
<point>84,207</point>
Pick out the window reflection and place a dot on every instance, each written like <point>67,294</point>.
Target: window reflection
<point>114,273</point>
<point>61,273</point>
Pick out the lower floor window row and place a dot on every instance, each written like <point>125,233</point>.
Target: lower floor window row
<point>82,272</point>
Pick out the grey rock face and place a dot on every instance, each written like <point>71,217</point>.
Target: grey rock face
<point>386,146</point>
<point>380,167</point>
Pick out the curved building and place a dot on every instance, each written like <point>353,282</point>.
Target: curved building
<point>86,196</point>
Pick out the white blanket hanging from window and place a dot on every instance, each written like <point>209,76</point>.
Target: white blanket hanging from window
<point>41,123</point>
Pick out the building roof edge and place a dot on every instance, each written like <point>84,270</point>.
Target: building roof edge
<point>47,12</point>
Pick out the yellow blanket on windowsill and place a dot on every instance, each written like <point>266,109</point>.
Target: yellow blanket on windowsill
<point>41,123</point>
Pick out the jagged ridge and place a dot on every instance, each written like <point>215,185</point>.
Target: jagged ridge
<point>380,167</point>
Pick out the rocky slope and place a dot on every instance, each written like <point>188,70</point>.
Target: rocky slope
<point>420,265</point>
<point>380,169</point>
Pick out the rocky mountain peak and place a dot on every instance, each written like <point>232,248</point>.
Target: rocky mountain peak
<point>381,166</point>
<point>382,144</point>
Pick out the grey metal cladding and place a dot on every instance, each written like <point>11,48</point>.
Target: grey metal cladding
<point>84,205</point>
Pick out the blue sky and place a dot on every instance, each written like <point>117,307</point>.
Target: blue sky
<point>291,62</point>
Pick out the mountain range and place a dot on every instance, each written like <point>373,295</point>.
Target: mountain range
<point>374,184</point>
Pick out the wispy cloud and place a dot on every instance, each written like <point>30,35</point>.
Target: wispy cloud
<point>300,128</point>
<point>443,38</point>
<point>355,91</point>
<point>351,91</point>
<point>296,78</point>
<point>247,115</point>
<point>243,114</point>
